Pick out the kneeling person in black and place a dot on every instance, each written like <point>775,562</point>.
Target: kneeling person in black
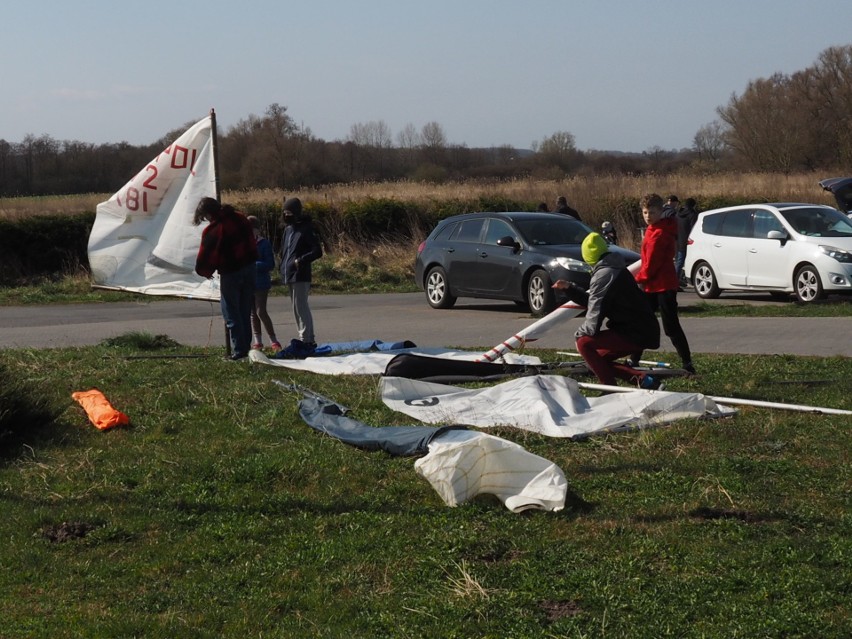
<point>613,296</point>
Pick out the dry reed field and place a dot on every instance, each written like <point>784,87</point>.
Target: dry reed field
<point>582,192</point>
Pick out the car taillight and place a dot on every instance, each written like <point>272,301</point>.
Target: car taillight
<point>421,247</point>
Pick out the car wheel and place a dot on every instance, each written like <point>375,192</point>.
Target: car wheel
<point>438,289</point>
<point>540,296</point>
<point>807,284</point>
<point>704,281</point>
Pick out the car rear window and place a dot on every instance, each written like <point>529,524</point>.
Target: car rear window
<point>443,232</point>
<point>710,224</point>
<point>737,224</point>
<point>469,230</point>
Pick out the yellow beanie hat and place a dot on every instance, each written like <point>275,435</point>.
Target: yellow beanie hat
<point>593,247</point>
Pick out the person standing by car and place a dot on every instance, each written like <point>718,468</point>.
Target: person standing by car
<point>671,206</point>
<point>657,275</point>
<point>299,248</point>
<point>609,233</point>
<point>563,208</point>
<point>686,218</point>
<point>631,324</point>
<point>228,246</point>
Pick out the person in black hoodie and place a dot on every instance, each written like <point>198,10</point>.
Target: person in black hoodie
<point>300,246</point>
<point>613,296</point>
<point>563,208</point>
<point>686,218</point>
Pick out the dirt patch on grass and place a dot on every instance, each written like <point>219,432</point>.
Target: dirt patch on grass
<point>66,531</point>
<point>556,610</point>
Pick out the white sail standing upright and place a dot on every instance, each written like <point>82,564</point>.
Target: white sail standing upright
<point>143,239</point>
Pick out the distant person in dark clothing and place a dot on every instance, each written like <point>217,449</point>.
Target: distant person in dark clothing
<point>300,246</point>
<point>631,324</point>
<point>542,207</point>
<point>562,207</point>
<point>609,233</point>
<point>671,206</point>
<point>686,218</point>
<point>228,246</point>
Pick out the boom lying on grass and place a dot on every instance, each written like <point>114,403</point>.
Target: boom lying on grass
<point>731,400</point>
<point>563,313</point>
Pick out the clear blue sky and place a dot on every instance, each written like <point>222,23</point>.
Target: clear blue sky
<point>618,74</point>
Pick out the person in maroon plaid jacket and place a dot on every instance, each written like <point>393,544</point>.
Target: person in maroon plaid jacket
<point>228,246</point>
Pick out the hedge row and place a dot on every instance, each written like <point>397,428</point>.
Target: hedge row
<point>43,246</point>
<point>52,246</point>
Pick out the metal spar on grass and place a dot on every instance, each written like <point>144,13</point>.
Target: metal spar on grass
<point>729,400</point>
<point>641,361</point>
<point>563,313</point>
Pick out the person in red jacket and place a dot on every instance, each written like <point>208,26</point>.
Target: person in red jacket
<point>657,275</point>
<point>228,246</point>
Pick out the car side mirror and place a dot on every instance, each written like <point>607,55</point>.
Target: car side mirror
<point>778,235</point>
<point>508,240</point>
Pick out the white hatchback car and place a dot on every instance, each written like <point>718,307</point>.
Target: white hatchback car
<point>783,248</point>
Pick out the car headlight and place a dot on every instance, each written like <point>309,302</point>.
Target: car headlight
<point>570,264</point>
<point>838,254</point>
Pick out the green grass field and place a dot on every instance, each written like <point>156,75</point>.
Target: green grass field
<point>219,513</point>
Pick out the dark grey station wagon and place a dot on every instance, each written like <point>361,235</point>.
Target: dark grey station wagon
<point>504,256</point>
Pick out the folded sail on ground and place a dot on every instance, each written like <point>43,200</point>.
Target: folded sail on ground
<point>143,239</point>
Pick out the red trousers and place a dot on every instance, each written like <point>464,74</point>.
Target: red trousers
<point>600,353</point>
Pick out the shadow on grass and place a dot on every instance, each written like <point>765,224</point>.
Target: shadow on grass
<point>705,513</point>
<point>27,416</point>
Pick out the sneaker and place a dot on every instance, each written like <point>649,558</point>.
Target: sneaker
<point>257,346</point>
<point>689,368</point>
<point>275,346</point>
<point>649,382</point>
<point>234,357</point>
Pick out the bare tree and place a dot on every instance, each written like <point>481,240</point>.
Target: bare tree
<point>765,125</point>
<point>432,136</point>
<point>558,149</point>
<point>827,91</point>
<point>279,129</point>
<point>408,138</point>
<point>709,141</point>
<point>433,141</point>
<point>375,134</point>
<point>371,142</point>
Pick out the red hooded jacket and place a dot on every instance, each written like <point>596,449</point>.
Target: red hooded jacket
<point>657,273</point>
<point>227,244</point>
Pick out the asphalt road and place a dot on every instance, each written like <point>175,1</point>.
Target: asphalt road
<point>392,317</point>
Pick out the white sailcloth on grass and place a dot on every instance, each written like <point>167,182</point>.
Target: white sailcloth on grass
<point>143,239</point>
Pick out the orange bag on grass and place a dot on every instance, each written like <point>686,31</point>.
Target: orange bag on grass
<point>100,411</point>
